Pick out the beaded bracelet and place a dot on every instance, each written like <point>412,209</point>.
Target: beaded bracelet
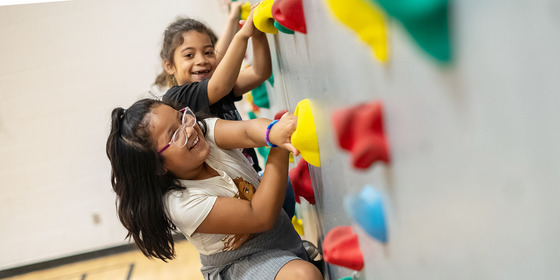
<point>267,134</point>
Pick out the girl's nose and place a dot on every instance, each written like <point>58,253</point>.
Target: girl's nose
<point>201,59</point>
<point>191,131</point>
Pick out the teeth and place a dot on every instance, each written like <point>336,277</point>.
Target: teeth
<point>195,142</point>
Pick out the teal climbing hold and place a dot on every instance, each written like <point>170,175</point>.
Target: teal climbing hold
<point>366,209</point>
<point>282,28</point>
<point>426,21</point>
<point>260,94</point>
<point>271,80</point>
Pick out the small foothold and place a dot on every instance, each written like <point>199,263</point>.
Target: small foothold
<point>368,211</point>
<point>301,182</point>
<point>341,248</point>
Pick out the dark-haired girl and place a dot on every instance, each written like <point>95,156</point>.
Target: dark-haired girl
<point>171,171</point>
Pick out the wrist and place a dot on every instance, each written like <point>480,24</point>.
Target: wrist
<point>240,36</point>
<point>267,134</point>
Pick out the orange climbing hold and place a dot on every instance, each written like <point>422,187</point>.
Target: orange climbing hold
<point>289,13</point>
<point>301,182</point>
<point>359,129</point>
<point>341,248</point>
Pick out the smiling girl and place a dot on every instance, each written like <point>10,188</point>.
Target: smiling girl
<point>171,171</point>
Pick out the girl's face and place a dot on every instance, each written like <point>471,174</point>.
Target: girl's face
<point>194,60</point>
<point>186,162</point>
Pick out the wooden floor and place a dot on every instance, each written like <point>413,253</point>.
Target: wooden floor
<point>126,266</point>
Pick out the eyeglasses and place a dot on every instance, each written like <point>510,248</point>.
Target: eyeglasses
<point>180,136</point>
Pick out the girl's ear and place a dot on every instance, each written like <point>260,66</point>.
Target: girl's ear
<point>168,66</point>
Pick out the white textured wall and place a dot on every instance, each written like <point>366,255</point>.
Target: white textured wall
<point>63,67</point>
<point>472,192</point>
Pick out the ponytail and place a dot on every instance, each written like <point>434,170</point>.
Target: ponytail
<point>139,180</point>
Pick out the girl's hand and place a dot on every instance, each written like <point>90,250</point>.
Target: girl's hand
<point>249,30</point>
<point>281,132</point>
<point>235,9</point>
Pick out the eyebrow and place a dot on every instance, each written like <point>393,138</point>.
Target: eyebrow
<point>192,48</point>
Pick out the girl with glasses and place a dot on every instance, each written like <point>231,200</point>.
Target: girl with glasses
<point>171,171</point>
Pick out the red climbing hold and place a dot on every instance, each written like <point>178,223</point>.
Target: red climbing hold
<point>359,130</point>
<point>301,182</point>
<point>341,248</point>
<point>280,114</point>
<point>289,13</point>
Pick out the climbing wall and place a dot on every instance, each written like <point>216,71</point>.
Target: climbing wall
<point>467,100</point>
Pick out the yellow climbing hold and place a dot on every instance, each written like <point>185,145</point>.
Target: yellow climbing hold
<point>245,10</point>
<point>305,137</point>
<point>262,17</point>
<point>298,225</point>
<point>366,19</point>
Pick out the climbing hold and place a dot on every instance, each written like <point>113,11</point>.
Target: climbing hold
<point>260,96</point>
<point>341,248</point>
<point>365,19</point>
<point>282,29</point>
<point>359,129</point>
<point>426,21</point>
<point>298,225</point>
<point>262,17</point>
<point>368,211</point>
<point>280,113</point>
<point>289,13</point>
<point>301,182</point>
<point>244,10</point>
<point>304,137</point>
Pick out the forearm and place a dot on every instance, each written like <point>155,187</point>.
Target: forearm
<point>262,64</point>
<point>227,36</point>
<point>261,69</point>
<point>225,75</point>
<point>255,132</point>
<point>269,197</point>
<point>251,133</point>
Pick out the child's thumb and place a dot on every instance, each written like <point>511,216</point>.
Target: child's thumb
<point>291,148</point>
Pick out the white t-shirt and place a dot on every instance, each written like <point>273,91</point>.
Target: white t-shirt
<point>188,208</point>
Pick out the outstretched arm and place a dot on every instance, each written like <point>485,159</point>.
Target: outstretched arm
<point>231,27</point>
<point>261,69</point>
<point>251,133</point>
<point>223,80</point>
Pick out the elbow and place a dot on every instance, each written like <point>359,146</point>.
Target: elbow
<point>263,74</point>
<point>265,225</point>
<point>267,72</point>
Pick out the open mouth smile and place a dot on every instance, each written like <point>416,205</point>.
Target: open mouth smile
<point>195,143</point>
<point>202,72</point>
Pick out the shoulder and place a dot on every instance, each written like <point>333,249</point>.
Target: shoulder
<point>186,92</point>
<point>210,126</point>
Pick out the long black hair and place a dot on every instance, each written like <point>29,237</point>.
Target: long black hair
<point>139,179</point>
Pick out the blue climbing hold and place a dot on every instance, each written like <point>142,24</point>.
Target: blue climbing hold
<point>366,209</point>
